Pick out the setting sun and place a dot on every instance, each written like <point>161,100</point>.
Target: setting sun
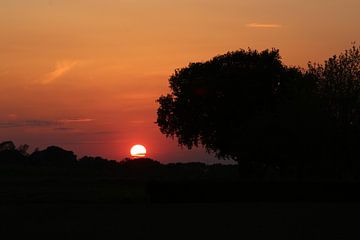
<point>138,151</point>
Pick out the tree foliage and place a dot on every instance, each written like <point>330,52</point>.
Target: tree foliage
<point>249,106</point>
<point>225,102</point>
<point>338,91</point>
<point>339,86</point>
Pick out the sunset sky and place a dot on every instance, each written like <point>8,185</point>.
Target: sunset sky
<point>85,74</point>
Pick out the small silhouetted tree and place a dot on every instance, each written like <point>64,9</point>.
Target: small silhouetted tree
<point>230,105</point>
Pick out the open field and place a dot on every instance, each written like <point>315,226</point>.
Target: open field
<point>183,221</point>
<point>110,209</point>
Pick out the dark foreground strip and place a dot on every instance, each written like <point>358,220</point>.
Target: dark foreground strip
<point>244,192</point>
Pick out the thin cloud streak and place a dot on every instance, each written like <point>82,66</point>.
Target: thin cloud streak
<point>26,123</point>
<point>263,25</point>
<point>64,129</point>
<point>77,120</point>
<point>61,68</point>
<point>42,123</point>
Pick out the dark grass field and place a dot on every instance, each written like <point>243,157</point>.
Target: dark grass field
<point>113,209</point>
<point>261,220</point>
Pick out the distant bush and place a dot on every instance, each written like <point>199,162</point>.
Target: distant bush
<point>53,156</point>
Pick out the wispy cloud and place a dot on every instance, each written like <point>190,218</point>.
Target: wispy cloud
<point>61,68</point>
<point>12,116</point>
<point>135,122</point>
<point>63,129</point>
<point>263,25</point>
<point>76,120</point>
<point>43,123</point>
<point>26,123</point>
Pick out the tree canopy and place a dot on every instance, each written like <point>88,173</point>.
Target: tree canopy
<point>222,103</point>
<point>249,106</point>
<point>338,91</point>
<point>338,81</point>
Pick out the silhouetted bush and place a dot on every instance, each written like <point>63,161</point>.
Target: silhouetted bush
<point>7,145</point>
<point>187,171</point>
<point>12,157</point>
<point>96,162</point>
<point>98,166</point>
<point>141,169</point>
<point>53,156</point>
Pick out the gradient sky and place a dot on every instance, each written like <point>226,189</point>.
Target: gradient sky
<point>85,74</point>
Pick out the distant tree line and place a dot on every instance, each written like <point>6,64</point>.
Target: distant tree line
<point>55,162</point>
<point>250,107</point>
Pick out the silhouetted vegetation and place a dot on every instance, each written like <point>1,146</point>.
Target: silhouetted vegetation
<point>277,122</point>
<point>55,162</point>
<point>33,178</point>
<point>53,156</point>
<point>250,107</point>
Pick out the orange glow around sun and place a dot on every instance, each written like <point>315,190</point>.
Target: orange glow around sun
<point>138,151</point>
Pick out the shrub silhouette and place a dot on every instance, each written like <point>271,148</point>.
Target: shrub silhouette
<point>140,168</point>
<point>53,156</point>
<point>10,155</point>
<point>7,145</point>
<point>96,162</point>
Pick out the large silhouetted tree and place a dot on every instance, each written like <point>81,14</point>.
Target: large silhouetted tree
<point>230,105</point>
